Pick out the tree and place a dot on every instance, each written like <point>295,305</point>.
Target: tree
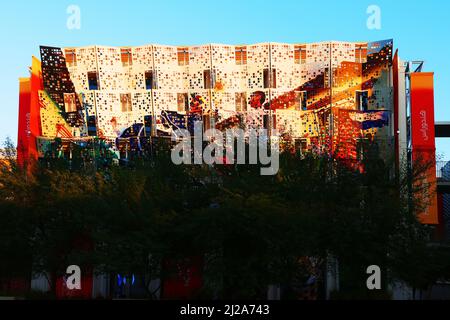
<point>250,230</point>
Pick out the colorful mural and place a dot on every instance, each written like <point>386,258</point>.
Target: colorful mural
<point>328,96</point>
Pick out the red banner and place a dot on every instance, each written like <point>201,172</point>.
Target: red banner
<point>422,111</point>
<point>29,115</point>
<point>423,137</point>
<point>23,139</point>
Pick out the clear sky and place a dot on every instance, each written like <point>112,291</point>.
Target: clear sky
<point>420,29</point>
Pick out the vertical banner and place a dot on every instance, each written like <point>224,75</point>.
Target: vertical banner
<point>29,124</point>
<point>396,112</point>
<point>23,138</point>
<point>35,109</point>
<point>423,138</point>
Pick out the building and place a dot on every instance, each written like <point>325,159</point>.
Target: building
<point>327,97</point>
<point>443,187</point>
<point>312,92</point>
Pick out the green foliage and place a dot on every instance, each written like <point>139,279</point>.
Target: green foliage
<point>251,230</point>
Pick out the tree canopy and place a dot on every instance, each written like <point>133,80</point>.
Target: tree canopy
<point>250,230</point>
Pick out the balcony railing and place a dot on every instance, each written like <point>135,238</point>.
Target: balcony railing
<point>443,170</point>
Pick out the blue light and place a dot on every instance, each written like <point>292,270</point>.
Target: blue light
<point>123,280</point>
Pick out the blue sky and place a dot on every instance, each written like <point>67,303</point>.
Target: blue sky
<point>420,30</point>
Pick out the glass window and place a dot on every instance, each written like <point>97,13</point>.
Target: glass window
<point>301,100</point>
<point>362,100</point>
<point>183,102</point>
<point>207,81</point>
<point>149,80</point>
<point>241,55</point>
<point>71,57</point>
<point>183,56</point>
<point>125,101</point>
<point>126,57</point>
<point>93,80</point>
<point>70,104</point>
<point>361,53</point>
<point>300,54</point>
<point>270,78</point>
<point>241,101</point>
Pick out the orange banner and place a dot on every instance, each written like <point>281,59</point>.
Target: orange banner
<point>29,115</point>
<point>23,139</point>
<point>423,138</point>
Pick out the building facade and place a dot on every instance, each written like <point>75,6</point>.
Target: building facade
<point>325,95</point>
<point>328,98</point>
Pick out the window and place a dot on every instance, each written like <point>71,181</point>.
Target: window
<point>326,78</point>
<point>92,126</point>
<point>149,80</point>
<point>207,80</point>
<point>70,104</point>
<point>274,78</point>
<point>126,56</point>
<point>362,100</point>
<point>71,58</point>
<point>266,121</point>
<point>241,101</point>
<point>148,123</point>
<point>241,55</point>
<point>266,78</point>
<point>125,101</point>
<point>183,102</point>
<point>183,56</point>
<point>93,80</point>
<point>213,79</point>
<point>270,78</point>
<point>361,53</point>
<point>301,100</point>
<point>300,54</point>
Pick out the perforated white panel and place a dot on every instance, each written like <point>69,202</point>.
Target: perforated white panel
<point>227,80</point>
